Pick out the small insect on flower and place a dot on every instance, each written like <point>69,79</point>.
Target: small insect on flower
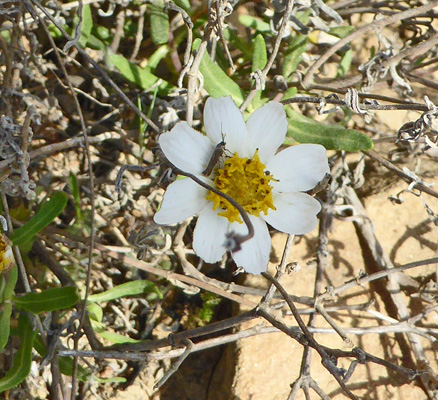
<point>269,187</point>
<point>217,154</point>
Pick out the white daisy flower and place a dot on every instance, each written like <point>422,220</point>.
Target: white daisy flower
<point>268,186</point>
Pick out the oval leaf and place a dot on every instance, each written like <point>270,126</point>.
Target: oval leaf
<point>255,23</point>
<point>10,285</point>
<point>126,289</point>
<point>142,77</point>
<point>47,213</point>
<point>332,137</point>
<point>95,312</point>
<point>23,359</point>
<point>159,23</point>
<point>49,300</point>
<point>260,55</point>
<point>5,324</point>
<point>5,300</point>
<point>216,82</point>
<point>86,26</point>
<point>293,55</point>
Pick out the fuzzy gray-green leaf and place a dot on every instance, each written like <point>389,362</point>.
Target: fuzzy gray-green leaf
<point>332,137</point>
<point>48,300</point>
<point>132,288</point>
<point>159,22</point>
<point>216,82</point>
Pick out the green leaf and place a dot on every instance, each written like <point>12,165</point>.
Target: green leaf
<point>48,300</point>
<point>95,43</point>
<point>23,359</point>
<point>112,337</point>
<point>5,324</point>
<point>10,285</point>
<point>2,287</point>
<point>216,82</point>
<point>345,63</point>
<point>116,338</point>
<point>95,312</point>
<point>341,31</point>
<point>157,56</point>
<point>132,288</point>
<point>101,32</point>
<point>74,187</point>
<point>290,93</point>
<point>55,33</point>
<point>47,213</point>
<point>239,43</point>
<point>86,25</point>
<point>5,301</point>
<point>142,77</point>
<point>184,4</point>
<point>260,55</point>
<point>256,23</point>
<point>293,55</point>
<point>159,21</point>
<point>332,137</point>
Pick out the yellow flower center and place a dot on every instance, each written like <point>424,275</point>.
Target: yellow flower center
<point>6,257</point>
<point>245,180</point>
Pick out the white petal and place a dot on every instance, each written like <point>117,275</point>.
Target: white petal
<point>298,168</point>
<point>210,235</point>
<point>186,148</point>
<point>182,199</point>
<point>221,116</point>
<point>295,213</point>
<point>267,127</point>
<point>254,254</point>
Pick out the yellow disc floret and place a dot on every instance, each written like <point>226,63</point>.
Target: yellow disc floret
<point>245,180</point>
<point>6,256</point>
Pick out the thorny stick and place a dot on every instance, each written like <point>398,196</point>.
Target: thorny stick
<point>132,168</point>
<point>400,173</point>
<point>326,360</point>
<point>379,107</point>
<point>360,280</point>
<point>322,264</point>
<point>326,219</point>
<point>382,261</point>
<point>292,331</point>
<point>129,261</point>
<point>189,346</point>
<point>411,51</point>
<point>280,270</point>
<point>223,289</point>
<point>367,28</point>
<point>190,334</point>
